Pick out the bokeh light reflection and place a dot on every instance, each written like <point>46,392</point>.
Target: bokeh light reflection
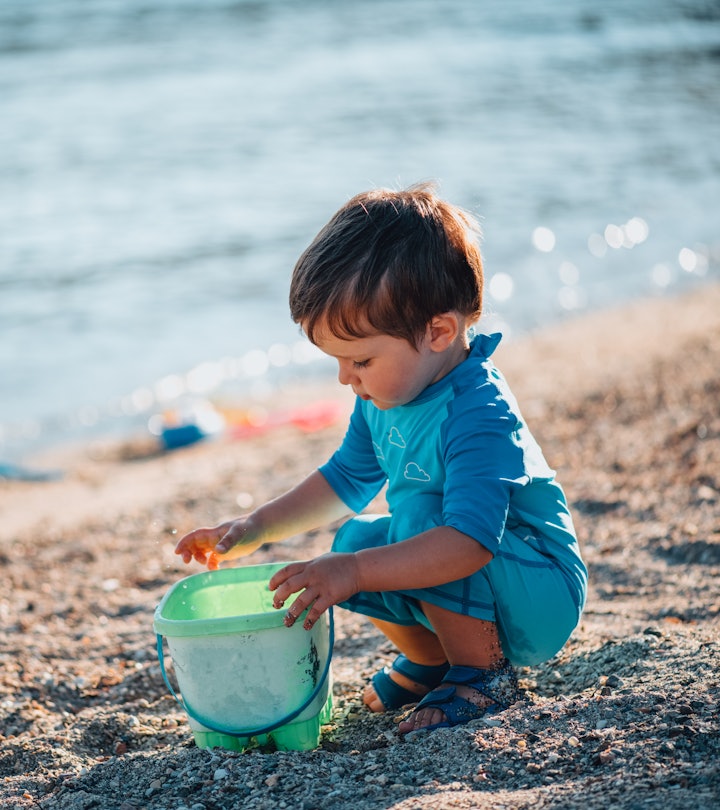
<point>693,261</point>
<point>543,239</point>
<point>501,286</point>
<point>661,275</point>
<point>279,355</point>
<point>568,273</point>
<point>614,236</point>
<point>636,230</point>
<point>597,245</point>
<point>255,363</point>
<point>571,298</point>
<point>169,388</point>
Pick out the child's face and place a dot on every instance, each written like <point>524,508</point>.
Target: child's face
<point>387,370</point>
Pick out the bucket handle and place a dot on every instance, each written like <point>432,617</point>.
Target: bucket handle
<point>253,732</point>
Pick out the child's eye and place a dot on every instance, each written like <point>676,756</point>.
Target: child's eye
<point>361,363</point>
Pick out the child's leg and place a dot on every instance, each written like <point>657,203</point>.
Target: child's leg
<point>417,642</point>
<point>467,642</point>
<point>520,606</point>
<point>399,619</point>
<point>461,640</point>
<point>410,624</point>
<point>419,645</point>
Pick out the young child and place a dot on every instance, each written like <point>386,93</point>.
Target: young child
<point>476,568</point>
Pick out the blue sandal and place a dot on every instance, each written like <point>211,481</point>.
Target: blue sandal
<point>498,685</point>
<point>392,695</point>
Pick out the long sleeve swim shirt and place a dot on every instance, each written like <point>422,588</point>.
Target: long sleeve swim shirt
<point>463,439</point>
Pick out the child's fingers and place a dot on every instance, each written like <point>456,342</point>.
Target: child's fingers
<point>281,577</point>
<point>191,541</point>
<point>316,611</point>
<point>197,545</point>
<point>315,606</point>
<point>298,607</point>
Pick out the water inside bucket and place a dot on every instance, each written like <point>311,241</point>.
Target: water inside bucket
<point>218,602</point>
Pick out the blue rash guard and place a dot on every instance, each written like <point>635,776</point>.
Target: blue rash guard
<point>460,455</point>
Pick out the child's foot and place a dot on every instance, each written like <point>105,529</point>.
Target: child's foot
<point>466,693</point>
<point>403,683</point>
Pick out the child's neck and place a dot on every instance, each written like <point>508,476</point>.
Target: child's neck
<point>455,354</point>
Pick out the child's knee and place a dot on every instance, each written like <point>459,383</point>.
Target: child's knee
<point>364,531</point>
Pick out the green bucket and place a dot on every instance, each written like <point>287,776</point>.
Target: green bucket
<point>245,677</point>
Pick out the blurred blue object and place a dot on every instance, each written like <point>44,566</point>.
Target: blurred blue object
<point>181,436</point>
<point>187,424</point>
<point>14,472</point>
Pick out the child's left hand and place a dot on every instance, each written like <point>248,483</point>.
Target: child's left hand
<point>324,581</point>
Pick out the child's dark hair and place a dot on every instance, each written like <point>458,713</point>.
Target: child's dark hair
<point>389,261</point>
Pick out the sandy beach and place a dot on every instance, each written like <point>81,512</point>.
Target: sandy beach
<point>626,405</point>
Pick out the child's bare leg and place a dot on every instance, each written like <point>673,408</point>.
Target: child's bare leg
<point>419,644</point>
<point>468,642</point>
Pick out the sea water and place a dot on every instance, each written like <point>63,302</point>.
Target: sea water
<point>164,162</point>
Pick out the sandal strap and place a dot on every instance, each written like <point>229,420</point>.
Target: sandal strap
<point>424,674</point>
<point>458,710</point>
<point>392,695</point>
<point>497,684</point>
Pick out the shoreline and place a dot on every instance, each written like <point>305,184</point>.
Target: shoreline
<point>624,404</point>
<point>107,426</point>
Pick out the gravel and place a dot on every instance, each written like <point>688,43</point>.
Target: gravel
<point>625,716</point>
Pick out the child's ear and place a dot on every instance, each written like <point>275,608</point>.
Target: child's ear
<point>443,330</point>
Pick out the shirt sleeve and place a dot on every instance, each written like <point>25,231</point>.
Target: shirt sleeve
<point>485,464</point>
<point>353,470</point>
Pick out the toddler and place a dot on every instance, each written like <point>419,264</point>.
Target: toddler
<point>476,567</point>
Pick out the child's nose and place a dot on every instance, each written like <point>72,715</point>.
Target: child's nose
<point>345,374</point>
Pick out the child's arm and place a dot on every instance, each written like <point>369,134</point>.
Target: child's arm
<point>434,557</point>
<point>310,504</point>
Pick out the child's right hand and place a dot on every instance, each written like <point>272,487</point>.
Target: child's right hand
<point>211,546</point>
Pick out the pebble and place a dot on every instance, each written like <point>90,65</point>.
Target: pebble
<point>220,773</point>
<point>678,731</point>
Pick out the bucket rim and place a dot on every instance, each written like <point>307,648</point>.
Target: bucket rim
<point>248,622</point>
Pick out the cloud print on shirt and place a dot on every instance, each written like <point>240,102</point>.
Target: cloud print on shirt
<point>395,437</point>
<point>378,450</point>
<point>413,472</point>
